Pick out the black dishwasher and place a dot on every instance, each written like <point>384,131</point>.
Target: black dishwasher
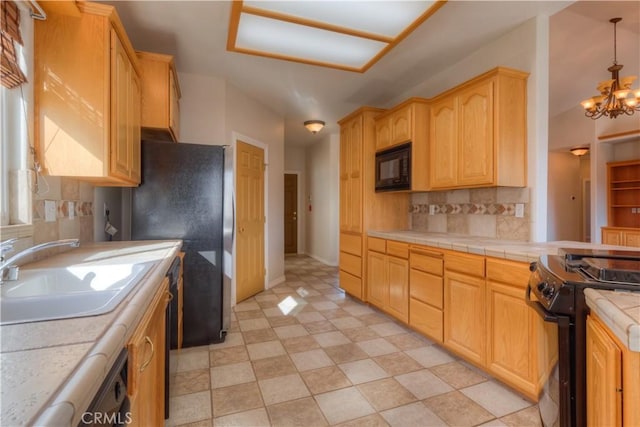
<point>171,328</point>
<point>110,406</point>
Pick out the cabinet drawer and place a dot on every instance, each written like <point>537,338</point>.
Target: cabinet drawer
<point>351,243</point>
<point>426,319</point>
<point>429,262</point>
<point>508,272</point>
<point>377,245</point>
<point>468,264</point>
<point>351,264</point>
<point>426,288</point>
<point>397,249</point>
<point>351,284</point>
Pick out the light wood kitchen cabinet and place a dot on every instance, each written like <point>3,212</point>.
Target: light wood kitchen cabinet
<point>360,207</point>
<point>146,365</point>
<point>464,306</point>
<point>621,236</point>
<point>613,378</point>
<point>388,273</point>
<point>160,97</point>
<point>477,133</point>
<point>407,122</point>
<point>426,292</point>
<point>521,347</point>
<point>87,97</point>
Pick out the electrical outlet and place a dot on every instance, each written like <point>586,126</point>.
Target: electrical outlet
<point>519,210</point>
<point>50,211</point>
<point>432,209</point>
<point>72,209</point>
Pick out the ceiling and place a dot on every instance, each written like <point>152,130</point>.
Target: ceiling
<point>195,32</point>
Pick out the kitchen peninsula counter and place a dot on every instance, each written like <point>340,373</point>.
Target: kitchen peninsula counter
<point>51,370</point>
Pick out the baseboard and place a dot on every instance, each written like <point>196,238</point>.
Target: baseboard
<point>276,281</point>
<point>322,260</point>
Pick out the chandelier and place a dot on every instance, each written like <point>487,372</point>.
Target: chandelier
<point>616,96</point>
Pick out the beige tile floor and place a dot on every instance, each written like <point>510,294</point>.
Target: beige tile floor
<point>305,354</point>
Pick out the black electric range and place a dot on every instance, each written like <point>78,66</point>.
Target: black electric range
<point>558,283</point>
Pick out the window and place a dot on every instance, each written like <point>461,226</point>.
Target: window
<point>16,115</point>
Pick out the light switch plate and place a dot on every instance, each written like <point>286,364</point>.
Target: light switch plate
<point>72,209</point>
<point>49,211</point>
<point>519,210</point>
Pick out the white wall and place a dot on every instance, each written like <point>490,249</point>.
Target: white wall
<point>295,162</point>
<point>252,121</point>
<point>525,48</point>
<point>571,129</point>
<point>202,109</point>
<point>323,194</point>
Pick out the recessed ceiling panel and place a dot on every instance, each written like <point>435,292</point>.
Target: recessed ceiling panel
<point>348,35</point>
<point>298,41</point>
<point>387,18</point>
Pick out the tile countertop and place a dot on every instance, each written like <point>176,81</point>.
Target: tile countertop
<point>509,249</point>
<point>620,311</point>
<point>51,370</point>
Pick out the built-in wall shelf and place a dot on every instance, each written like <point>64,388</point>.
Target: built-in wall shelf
<point>623,180</point>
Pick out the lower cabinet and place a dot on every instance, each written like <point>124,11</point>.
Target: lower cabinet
<point>521,347</point>
<point>464,310</point>
<point>613,378</point>
<point>145,383</point>
<point>388,278</point>
<point>621,236</point>
<point>426,300</point>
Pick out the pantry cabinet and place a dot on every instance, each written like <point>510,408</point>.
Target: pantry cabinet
<point>160,97</point>
<point>361,208</point>
<point>146,364</point>
<point>477,133</point>
<point>407,123</point>
<point>613,378</point>
<point>388,273</point>
<point>87,97</point>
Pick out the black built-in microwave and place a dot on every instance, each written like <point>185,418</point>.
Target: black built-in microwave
<point>393,168</point>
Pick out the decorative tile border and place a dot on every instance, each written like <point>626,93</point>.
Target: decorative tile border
<point>504,209</point>
<point>62,208</point>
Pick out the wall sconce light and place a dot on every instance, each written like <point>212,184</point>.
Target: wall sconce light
<point>579,151</point>
<point>314,126</point>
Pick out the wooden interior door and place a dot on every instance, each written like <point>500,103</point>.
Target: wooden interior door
<point>250,220</point>
<point>290,213</point>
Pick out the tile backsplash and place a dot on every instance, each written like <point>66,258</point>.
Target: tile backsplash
<point>484,212</point>
<point>73,210</point>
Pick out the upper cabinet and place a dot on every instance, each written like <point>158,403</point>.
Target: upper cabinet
<point>160,97</point>
<point>87,97</point>
<point>407,122</point>
<point>477,133</point>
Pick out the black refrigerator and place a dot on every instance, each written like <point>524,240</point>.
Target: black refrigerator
<point>182,195</point>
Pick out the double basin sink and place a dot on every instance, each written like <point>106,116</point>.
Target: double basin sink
<point>77,290</point>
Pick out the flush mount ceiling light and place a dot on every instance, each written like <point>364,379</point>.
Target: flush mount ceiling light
<point>348,35</point>
<point>579,151</point>
<point>616,96</point>
<point>314,126</point>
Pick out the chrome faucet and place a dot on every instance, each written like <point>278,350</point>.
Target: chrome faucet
<point>9,269</point>
<point>6,246</point>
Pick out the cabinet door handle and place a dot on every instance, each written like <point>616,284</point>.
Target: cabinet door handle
<point>145,364</point>
<point>169,296</point>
